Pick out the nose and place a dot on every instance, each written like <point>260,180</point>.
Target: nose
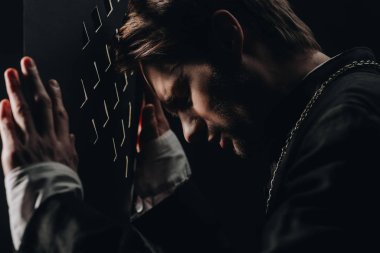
<point>194,128</point>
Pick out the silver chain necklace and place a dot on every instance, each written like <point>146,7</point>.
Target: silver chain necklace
<point>304,114</point>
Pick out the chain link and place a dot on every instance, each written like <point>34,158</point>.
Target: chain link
<point>304,114</point>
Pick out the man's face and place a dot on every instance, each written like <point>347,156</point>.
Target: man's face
<point>212,104</point>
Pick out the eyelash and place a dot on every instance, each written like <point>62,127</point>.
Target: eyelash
<point>175,66</point>
<point>173,114</point>
<point>179,105</point>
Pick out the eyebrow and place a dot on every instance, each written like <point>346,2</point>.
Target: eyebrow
<point>177,86</point>
<point>178,97</point>
<point>173,101</point>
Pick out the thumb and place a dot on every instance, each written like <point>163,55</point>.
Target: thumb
<point>149,127</point>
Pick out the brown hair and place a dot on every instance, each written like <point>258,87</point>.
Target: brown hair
<point>175,30</point>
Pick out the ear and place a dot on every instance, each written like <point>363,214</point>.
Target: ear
<point>227,35</point>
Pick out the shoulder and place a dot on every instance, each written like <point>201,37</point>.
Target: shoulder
<point>358,88</point>
<point>349,107</point>
<point>326,187</point>
<point>338,144</point>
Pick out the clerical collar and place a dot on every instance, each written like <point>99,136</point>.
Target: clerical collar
<point>319,66</point>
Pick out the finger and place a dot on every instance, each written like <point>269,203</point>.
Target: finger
<point>40,96</point>
<point>72,140</point>
<point>8,133</point>
<point>151,98</point>
<point>20,108</point>
<point>7,130</point>
<point>75,158</point>
<point>149,129</point>
<point>61,118</point>
<point>150,94</point>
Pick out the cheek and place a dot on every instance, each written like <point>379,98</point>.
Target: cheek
<point>200,104</point>
<point>203,108</point>
<point>200,94</point>
<point>199,82</point>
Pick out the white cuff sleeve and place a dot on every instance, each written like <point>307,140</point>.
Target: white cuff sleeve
<point>28,187</point>
<point>162,166</point>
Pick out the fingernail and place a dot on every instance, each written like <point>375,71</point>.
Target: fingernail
<point>5,108</point>
<point>29,64</point>
<point>53,83</point>
<point>11,74</point>
<point>149,112</point>
<point>149,107</point>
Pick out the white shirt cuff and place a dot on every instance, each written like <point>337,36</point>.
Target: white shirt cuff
<point>162,166</point>
<point>27,187</point>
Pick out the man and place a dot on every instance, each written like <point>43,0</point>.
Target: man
<point>247,73</point>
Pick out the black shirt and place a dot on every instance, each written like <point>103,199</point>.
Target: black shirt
<point>325,194</point>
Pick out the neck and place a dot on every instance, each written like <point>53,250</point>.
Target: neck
<point>281,77</point>
<point>277,79</point>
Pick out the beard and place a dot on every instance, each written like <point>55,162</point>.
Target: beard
<point>239,98</point>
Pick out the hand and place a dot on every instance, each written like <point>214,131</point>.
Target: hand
<point>36,137</point>
<point>161,166</point>
<point>154,122</point>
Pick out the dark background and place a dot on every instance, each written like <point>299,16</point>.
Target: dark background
<point>225,180</point>
<point>10,52</point>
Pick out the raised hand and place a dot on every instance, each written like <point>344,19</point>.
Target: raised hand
<point>154,122</point>
<point>41,136</point>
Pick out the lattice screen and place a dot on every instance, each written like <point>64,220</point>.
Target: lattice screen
<point>71,41</point>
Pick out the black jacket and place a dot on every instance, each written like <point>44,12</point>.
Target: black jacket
<point>325,194</point>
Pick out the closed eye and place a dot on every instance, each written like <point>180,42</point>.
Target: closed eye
<point>177,104</point>
<point>180,98</point>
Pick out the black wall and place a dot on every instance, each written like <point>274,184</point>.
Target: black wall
<point>338,25</point>
<point>10,51</point>
<point>342,24</point>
